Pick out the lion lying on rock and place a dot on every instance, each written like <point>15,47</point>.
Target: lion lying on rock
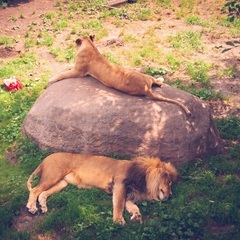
<point>89,61</point>
<point>128,181</point>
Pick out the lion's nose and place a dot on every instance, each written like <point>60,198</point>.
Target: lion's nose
<point>170,195</point>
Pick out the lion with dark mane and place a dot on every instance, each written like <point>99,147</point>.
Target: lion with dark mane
<point>129,182</point>
<point>89,61</point>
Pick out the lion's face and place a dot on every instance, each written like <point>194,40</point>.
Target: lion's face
<point>159,184</point>
<point>164,190</point>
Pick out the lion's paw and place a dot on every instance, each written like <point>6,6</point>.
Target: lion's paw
<point>32,210</point>
<point>119,220</point>
<point>160,79</point>
<point>136,217</point>
<point>44,209</point>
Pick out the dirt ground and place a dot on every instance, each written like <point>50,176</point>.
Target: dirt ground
<point>32,10</point>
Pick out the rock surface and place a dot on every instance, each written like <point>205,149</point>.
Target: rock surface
<point>84,116</point>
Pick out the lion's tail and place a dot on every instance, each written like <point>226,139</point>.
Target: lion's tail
<point>151,95</point>
<point>29,181</point>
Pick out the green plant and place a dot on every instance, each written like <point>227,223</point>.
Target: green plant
<point>193,20</point>
<point>6,41</point>
<point>173,62</point>
<point>92,24</point>
<point>228,72</point>
<point>29,43</point>
<point>144,14</point>
<point>188,4</point>
<point>3,3</point>
<point>233,9</point>
<point>202,93</point>
<point>205,94</point>
<point>186,41</point>
<point>166,3</point>
<point>229,128</point>
<point>63,54</point>
<point>61,24</point>
<point>155,72</point>
<point>199,71</point>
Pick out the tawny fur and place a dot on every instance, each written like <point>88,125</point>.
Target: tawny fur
<point>128,181</point>
<point>89,61</point>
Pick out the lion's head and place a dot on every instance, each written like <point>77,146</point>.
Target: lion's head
<point>85,39</point>
<point>150,179</point>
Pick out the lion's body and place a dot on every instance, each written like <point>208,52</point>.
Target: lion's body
<point>89,61</point>
<point>128,181</point>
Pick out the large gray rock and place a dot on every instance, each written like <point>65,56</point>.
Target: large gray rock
<point>82,115</point>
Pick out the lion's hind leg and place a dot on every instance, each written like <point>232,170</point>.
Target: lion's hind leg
<point>42,199</point>
<point>134,211</point>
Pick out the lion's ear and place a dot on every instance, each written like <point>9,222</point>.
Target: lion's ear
<point>172,170</point>
<point>164,175</point>
<point>92,37</point>
<point>78,41</point>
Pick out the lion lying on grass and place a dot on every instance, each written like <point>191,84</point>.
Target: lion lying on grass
<point>128,181</point>
<point>90,62</point>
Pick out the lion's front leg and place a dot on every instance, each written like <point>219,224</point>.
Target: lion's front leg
<point>119,195</point>
<point>66,74</point>
<point>134,211</point>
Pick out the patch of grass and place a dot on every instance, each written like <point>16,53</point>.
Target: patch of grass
<point>63,55</point>
<point>198,72</point>
<point>195,20</point>
<point>112,58</point>
<point>229,128</point>
<point>92,24</point>
<point>155,72</point>
<point>186,7</point>
<point>230,72</point>
<point>166,3</point>
<point>6,41</point>
<point>173,62</point>
<point>188,4</point>
<point>29,43</point>
<point>19,66</point>
<point>149,52</point>
<point>61,24</point>
<point>48,17</point>
<point>15,105</point>
<point>205,94</point>
<point>186,41</point>
<point>144,14</point>
<point>202,93</point>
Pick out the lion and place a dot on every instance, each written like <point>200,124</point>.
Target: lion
<point>128,181</point>
<point>89,61</point>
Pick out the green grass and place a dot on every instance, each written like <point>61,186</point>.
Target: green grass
<point>198,72</point>
<point>195,20</point>
<point>186,41</point>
